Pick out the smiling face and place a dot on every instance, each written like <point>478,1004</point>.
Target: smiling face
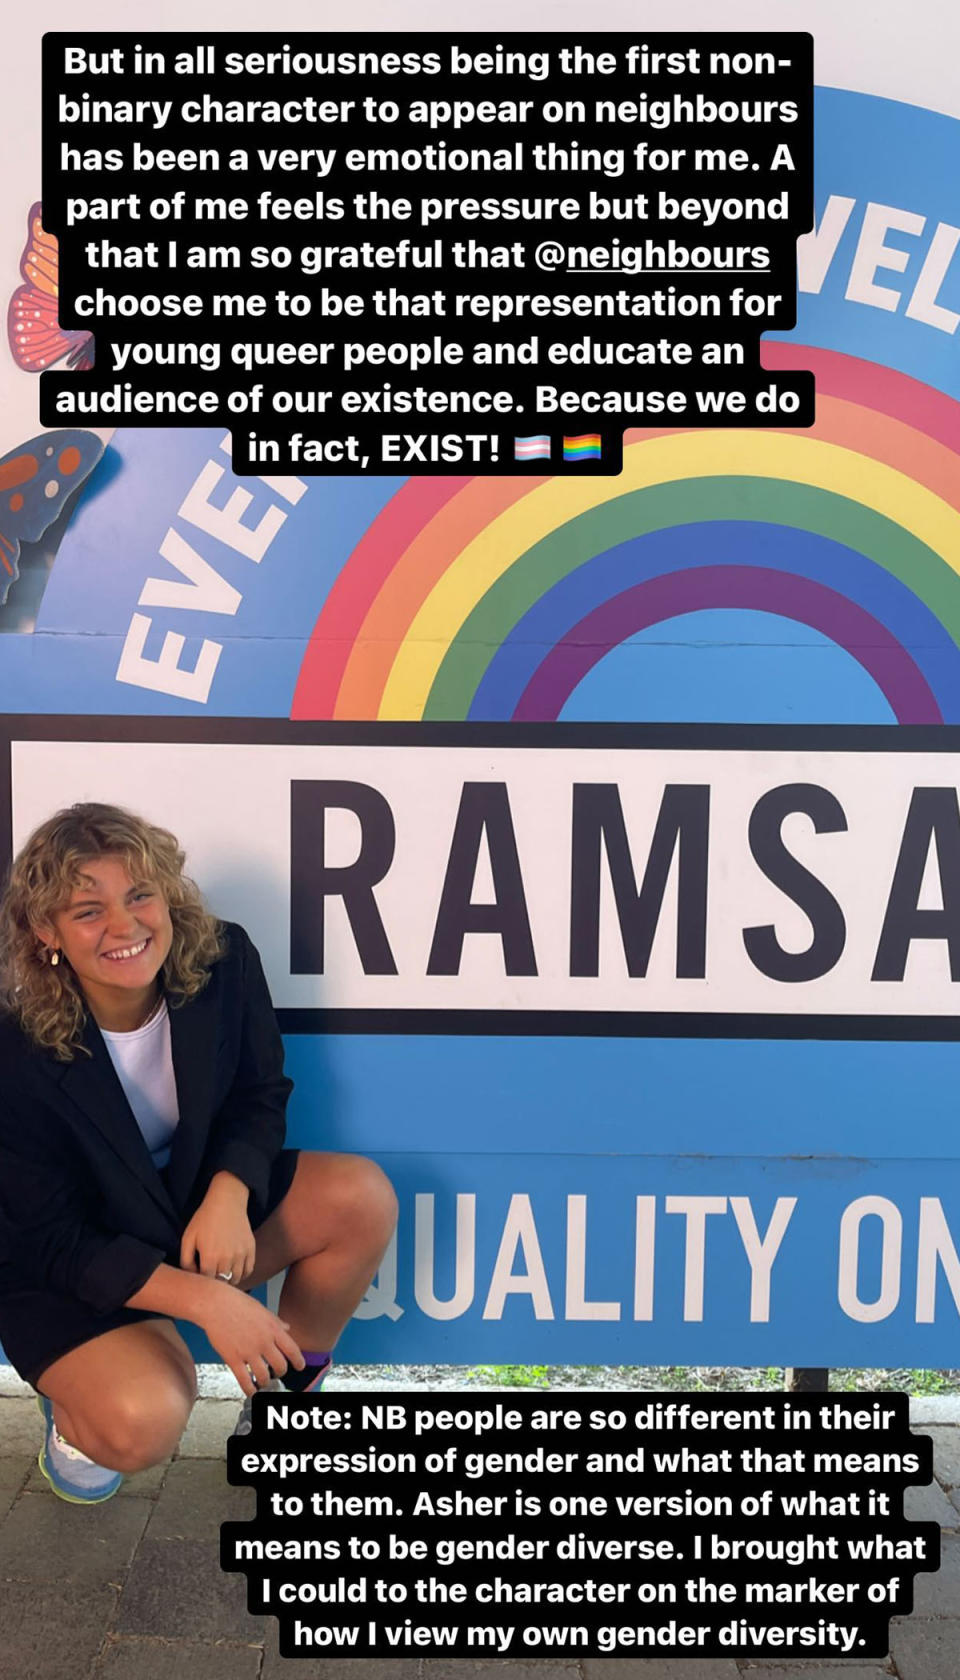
<point>116,934</point>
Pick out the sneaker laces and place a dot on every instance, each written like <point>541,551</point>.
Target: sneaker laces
<point>71,1452</point>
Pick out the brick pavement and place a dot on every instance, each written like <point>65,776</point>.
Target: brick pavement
<point>132,1590</point>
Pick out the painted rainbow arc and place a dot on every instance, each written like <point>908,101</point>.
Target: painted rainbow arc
<point>492,598</point>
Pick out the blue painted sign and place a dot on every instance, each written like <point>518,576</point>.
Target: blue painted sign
<point>593,1163</point>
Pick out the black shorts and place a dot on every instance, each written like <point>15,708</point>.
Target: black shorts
<point>62,1323</point>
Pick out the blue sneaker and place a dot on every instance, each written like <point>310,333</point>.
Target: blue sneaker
<point>72,1475</point>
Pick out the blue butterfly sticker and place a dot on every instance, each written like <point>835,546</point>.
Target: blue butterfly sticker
<point>35,481</point>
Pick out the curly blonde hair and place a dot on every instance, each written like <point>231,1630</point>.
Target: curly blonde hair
<point>46,1000</point>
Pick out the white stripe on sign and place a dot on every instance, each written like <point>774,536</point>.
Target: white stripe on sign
<point>563,878</point>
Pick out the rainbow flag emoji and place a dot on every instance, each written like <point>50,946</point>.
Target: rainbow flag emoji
<point>586,448</point>
<point>531,449</point>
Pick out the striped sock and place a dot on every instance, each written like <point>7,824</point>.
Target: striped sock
<point>310,1380</point>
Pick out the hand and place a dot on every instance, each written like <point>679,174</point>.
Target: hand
<point>252,1340</point>
<point>218,1238</point>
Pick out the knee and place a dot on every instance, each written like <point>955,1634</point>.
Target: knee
<point>373,1197</point>
<point>360,1199</point>
<point>138,1431</point>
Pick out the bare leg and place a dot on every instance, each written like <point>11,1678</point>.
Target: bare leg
<point>124,1398</point>
<point>330,1230</point>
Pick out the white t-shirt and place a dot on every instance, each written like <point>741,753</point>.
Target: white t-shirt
<point>144,1063</point>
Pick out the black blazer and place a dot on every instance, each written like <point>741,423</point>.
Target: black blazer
<point>83,1210</point>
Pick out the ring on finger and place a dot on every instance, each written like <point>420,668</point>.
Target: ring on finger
<point>226,1276</point>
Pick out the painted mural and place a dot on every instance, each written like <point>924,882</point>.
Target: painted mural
<point>594,1196</point>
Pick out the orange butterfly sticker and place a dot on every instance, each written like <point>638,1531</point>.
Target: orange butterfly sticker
<point>36,338</point>
<point>35,481</point>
